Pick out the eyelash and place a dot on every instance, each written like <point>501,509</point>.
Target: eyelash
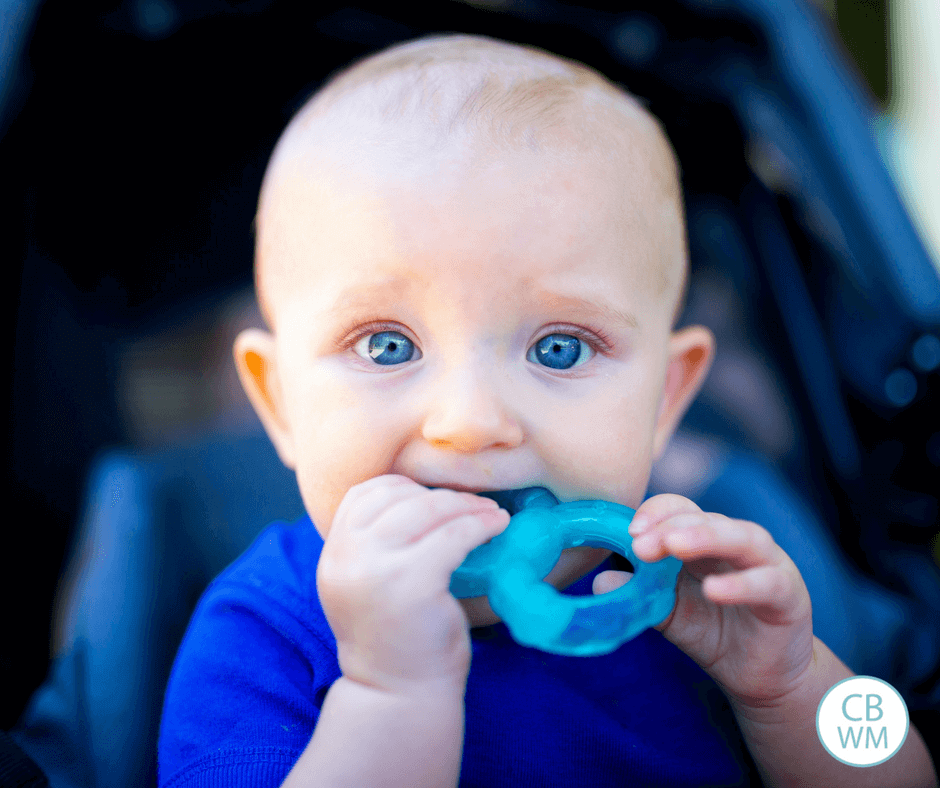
<point>595,338</point>
<point>357,331</point>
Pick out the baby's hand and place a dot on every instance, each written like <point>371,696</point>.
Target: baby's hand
<point>742,609</point>
<point>384,575</point>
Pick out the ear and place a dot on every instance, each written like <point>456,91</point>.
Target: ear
<point>256,362</point>
<point>691,351</point>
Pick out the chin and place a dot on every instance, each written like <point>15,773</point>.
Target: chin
<point>575,563</point>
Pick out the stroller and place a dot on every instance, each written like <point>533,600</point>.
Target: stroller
<point>805,265</point>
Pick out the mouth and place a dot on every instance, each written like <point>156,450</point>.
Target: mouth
<point>515,500</point>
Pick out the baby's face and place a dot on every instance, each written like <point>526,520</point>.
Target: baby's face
<point>476,322</point>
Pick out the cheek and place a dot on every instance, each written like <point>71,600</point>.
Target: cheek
<point>607,448</point>
<point>342,438</point>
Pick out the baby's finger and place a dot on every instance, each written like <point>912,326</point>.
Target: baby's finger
<point>364,501</point>
<point>610,580</point>
<point>446,546</point>
<point>408,520</point>
<point>658,508</point>
<point>694,536</point>
<point>779,592</point>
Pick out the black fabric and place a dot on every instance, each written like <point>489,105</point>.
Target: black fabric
<point>17,769</point>
<point>927,721</point>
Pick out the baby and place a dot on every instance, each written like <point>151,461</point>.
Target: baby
<point>471,256</point>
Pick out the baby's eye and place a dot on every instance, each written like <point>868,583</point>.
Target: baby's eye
<point>560,351</point>
<point>387,348</point>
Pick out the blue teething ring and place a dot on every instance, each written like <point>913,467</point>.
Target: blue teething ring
<point>509,570</point>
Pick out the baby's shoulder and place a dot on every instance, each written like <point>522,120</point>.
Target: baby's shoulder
<point>274,579</point>
<point>283,554</point>
<point>258,649</point>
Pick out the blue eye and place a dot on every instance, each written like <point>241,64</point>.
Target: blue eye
<point>559,351</point>
<point>386,348</point>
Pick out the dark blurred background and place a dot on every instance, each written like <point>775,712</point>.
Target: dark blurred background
<point>135,135</point>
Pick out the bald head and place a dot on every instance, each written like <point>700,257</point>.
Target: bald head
<point>419,109</point>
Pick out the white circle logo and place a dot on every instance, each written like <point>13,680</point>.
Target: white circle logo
<point>862,721</point>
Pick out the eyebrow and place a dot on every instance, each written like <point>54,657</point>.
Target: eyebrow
<point>366,296</point>
<point>595,307</point>
<point>394,287</point>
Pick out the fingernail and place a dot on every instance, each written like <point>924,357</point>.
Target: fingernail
<point>487,502</point>
<point>496,516</point>
<point>642,542</point>
<point>638,526</point>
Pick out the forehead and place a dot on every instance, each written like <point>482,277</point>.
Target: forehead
<point>547,214</point>
<point>353,177</point>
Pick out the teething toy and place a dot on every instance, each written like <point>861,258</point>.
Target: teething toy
<point>510,567</point>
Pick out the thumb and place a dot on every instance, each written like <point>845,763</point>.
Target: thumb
<point>610,580</point>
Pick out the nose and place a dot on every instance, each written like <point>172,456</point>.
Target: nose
<point>466,414</point>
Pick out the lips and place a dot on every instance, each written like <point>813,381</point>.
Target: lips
<point>512,500</point>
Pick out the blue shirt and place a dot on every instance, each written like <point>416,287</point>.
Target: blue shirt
<point>259,657</point>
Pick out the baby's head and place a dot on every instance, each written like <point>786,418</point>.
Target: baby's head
<point>470,255</point>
